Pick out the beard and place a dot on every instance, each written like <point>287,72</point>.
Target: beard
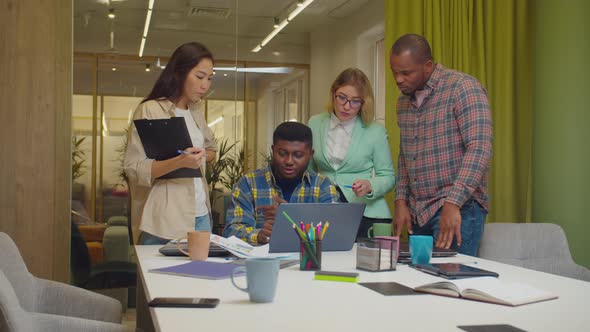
<point>406,92</point>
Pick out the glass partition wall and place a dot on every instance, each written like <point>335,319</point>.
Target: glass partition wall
<point>247,99</point>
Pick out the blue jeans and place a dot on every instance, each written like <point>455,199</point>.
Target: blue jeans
<point>202,223</point>
<point>473,217</point>
<point>148,239</point>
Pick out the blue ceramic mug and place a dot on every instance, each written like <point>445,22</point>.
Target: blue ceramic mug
<point>262,275</point>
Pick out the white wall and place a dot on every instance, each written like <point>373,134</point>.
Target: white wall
<point>343,44</point>
<point>265,125</point>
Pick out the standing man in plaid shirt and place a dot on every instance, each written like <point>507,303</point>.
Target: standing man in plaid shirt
<point>445,148</point>
<point>256,196</point>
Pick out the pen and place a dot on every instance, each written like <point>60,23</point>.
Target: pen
<point>347,186</point>
<point>307,246</point>
<point>326,225</point>
<point>300,232</point>
<point>296,232</point>
<point>182,152</point>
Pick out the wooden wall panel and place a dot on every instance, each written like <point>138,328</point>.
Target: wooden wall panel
<point>35,135</point>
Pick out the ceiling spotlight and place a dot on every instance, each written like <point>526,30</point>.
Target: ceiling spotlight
<point>225,74</point>
<point>111,13</point>
<point>147,68</point>
<point>114,69</point>
<point>162,66</point>
<point>301,5</point>
<point>276,53</point>
<point>276,20</point>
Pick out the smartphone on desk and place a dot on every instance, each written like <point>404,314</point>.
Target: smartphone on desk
<point>184,302</point>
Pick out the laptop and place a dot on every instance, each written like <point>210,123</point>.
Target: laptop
<point>344,218</point>
<point>404,252</point>
<point>170,249</point>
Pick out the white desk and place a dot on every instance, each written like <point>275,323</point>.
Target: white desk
<point>303,304</point>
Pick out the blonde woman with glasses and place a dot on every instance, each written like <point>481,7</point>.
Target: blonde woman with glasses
<point>353,150</point>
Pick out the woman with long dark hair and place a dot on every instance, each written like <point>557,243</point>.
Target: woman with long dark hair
<point>166,209</point>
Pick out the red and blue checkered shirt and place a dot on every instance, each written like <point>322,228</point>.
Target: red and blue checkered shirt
<point>445,144</point>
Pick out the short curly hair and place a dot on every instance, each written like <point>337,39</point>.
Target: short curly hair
<point>293,132</point>
<point>416,44</point>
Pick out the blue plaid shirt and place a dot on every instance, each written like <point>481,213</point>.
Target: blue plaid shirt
<point>258,188</point>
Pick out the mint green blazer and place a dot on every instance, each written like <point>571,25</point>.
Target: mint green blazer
<point>368,152</point>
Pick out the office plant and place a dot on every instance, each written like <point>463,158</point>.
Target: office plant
<point>78,158</point>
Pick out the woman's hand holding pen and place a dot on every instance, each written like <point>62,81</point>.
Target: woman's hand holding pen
<point>362,187</point>
<point>191,157</point>
<point>188,158</point>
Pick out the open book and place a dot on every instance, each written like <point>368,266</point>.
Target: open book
<point>487,289</point>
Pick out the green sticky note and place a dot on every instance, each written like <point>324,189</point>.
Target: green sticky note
<point>336,278</point>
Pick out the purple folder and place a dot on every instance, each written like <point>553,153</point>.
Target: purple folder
<point>200,269</point>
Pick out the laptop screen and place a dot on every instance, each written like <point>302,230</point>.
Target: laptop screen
<point>344,219</point>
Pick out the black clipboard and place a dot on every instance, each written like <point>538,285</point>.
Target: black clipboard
<point>162,138</point>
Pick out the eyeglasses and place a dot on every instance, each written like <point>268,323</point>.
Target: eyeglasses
<point>354,103</point>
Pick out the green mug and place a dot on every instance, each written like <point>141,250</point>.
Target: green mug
<point>379,229</point>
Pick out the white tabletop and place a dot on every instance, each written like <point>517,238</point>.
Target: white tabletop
<point>302,303</point>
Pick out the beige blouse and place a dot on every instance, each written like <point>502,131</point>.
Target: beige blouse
<point>163,207</point>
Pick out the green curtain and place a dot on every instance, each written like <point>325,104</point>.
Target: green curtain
<point>492,41</point>
<point>561,153</point>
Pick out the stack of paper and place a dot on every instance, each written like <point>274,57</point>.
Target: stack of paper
<point>239,248</point>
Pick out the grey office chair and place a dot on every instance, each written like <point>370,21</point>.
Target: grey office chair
<point>28,303</point>
<point>537,246</point>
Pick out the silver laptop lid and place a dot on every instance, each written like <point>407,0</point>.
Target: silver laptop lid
<point>344,218</point>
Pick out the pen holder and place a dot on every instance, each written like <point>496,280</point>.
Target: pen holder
<point>310,255</point>
<point>377,254</point>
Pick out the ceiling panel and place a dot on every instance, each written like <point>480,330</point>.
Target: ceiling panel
<point>171,25</point>
<point>228,37</point>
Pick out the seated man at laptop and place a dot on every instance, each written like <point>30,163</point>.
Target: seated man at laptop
<point>286,178</point>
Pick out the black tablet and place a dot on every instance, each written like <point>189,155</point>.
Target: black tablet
<point>454,270</point>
